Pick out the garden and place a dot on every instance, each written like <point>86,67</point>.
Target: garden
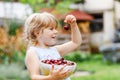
<point>12,67</point>
<point>13,51</point>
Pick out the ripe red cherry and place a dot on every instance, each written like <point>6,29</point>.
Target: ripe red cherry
<point>60,61</point>
<point>66,27</point>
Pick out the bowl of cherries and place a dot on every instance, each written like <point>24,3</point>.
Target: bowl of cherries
<point>46,65</point>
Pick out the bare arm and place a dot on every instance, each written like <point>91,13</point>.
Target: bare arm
<point>75,37</point>
<point>32,63</point>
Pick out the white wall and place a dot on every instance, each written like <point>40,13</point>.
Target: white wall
<point>109,27</point>
<point>117,11</point>
<point>107,8</point>
<point>96,39</point>
<point>98,5</point>
<point>14,10</point>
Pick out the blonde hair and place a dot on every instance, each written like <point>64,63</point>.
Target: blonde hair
<point>37,22</point>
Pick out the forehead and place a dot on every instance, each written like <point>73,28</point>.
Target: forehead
<point>49,21</point>
<point>53,25</point>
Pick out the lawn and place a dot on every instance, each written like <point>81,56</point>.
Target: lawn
<point>93,63</point>
<point>99,70</point>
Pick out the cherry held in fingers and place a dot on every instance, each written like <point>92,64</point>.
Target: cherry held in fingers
<point>66,27</point>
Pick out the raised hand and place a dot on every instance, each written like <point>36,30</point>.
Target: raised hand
<point>70,19</point>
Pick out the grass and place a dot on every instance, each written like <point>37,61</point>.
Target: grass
<point>13,71</point>
<point>100,70</point>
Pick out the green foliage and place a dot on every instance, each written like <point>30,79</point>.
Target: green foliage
<point>35,4</point>
<point>16,56</point>
<point>4,58</point>
<point>13,27</point>
<point>77,56</point>
<point>62,6</point>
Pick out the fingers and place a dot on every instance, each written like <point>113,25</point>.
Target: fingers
<point>65,21</point>
<point>73,20</point>
<point>70,19</point>
<point>66,74</point>
<point>52,67</point>
<point>61,68</point>
<point>60,73</point>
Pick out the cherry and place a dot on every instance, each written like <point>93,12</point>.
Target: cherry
<point>60,61</point>
<point>66,27</point>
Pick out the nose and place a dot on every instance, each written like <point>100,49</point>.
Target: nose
<point>55,31</point>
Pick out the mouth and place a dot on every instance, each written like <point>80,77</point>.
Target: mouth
<point>53,37</point>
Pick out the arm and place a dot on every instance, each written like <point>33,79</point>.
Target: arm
<point>75,37</point>
<point>32,63</point>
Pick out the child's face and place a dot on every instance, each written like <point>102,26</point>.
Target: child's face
<point>48,36</point>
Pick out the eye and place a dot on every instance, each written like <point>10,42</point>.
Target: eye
<point>51,28</point>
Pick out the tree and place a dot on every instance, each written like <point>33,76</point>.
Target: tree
<point>60,5</point>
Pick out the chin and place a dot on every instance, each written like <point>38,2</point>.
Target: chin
<point>52,44</point>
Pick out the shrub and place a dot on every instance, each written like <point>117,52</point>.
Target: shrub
<point>77,56</point>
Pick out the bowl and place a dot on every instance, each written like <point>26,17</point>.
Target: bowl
<point>46,65</point>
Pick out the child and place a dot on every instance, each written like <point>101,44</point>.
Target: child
<point>41,33</point>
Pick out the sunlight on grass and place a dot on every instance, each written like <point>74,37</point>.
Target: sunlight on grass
<point>100,69</point>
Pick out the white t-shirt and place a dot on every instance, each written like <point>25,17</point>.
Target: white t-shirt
<point>47,53</point>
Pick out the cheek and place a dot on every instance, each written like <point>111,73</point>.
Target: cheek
<point>49,41</point>
<point>45,38</point>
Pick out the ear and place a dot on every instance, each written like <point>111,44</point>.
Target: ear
<point>37,33</point>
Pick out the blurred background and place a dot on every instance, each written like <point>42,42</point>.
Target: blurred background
<point>98,57</point>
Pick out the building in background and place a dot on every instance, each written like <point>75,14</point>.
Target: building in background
<point>13,10</point>
<point>106,19</point>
